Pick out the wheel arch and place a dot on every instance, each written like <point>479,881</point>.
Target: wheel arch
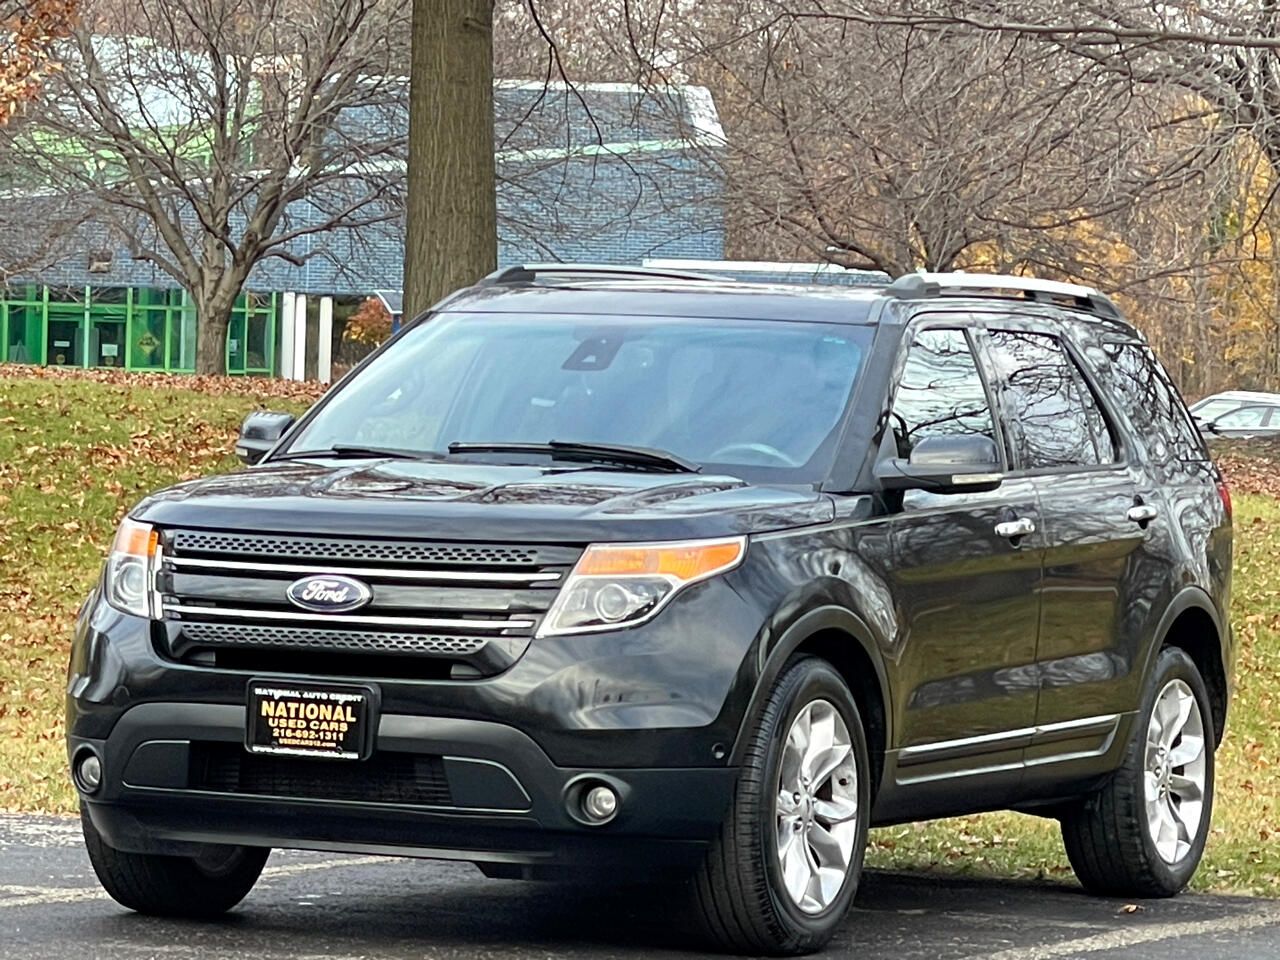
<point>843,639</point>
<point>1192,624</point>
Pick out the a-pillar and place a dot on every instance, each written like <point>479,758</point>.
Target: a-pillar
<point>324,346</point>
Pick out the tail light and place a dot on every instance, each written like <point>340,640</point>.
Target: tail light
<point>1224,494</point>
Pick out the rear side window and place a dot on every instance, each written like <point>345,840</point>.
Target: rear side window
<point>1055,419</point>
<point>1130,372</point>
<point>941,393</point>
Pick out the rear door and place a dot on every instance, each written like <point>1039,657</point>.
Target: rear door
<point>1095,522</point>
<point>966,595</point>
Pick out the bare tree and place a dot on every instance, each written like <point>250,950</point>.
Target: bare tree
<point>218,135</point>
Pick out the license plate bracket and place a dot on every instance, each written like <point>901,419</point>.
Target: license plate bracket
<point>303,719</point>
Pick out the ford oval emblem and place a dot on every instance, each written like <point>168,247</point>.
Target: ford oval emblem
<point>329,594</point>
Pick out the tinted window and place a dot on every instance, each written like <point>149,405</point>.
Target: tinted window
<point>1144,391</point>
<point>941,392</point>
<point>742,396</point>
<point>1056,421</point>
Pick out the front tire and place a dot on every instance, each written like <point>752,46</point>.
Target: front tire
<point>780,877</point>
<point>1143,834</point>
<point>193,887</point>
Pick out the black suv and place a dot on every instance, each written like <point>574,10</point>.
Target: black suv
<point>592,569</point>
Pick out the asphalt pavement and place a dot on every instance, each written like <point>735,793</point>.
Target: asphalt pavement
<point>309,906</point>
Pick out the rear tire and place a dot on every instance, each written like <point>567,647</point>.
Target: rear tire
<point>752,892</point>
<point>193,887</point>
<point>1143,834</point>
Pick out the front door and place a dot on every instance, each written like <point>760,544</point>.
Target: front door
<point>107,342</point>
<point>966,591</point>
<point>65,346</point>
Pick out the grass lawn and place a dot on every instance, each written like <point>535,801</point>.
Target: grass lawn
<point>77,451</point>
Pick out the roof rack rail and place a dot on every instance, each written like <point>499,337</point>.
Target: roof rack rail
<point>529,272</point>
<point>923,286</point>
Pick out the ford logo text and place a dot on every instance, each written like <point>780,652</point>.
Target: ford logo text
<point>332,594</point>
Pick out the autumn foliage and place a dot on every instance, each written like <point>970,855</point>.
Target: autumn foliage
<point>370,325</point>
<point>29,29</point>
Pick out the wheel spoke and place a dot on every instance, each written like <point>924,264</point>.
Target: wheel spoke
<point>796,872</point>
<point>1167,713</point>
<point>1167,838</point>
<point>827,849</point>
<point>835,811</point>
<point>822,734</point>
<point>787,802</point>
<point>1189,750</point>
<point>1186,789</point>
<point>827,762</point>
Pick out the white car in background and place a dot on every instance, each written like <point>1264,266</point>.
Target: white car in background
<point>1238,413</point>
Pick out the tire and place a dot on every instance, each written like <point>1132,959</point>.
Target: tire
<point>193,887</point>
<point>741,893</point>
<point>1108,834</point>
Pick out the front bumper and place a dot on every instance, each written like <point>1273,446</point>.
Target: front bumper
<point>502,800</point>
<point>652,713</point>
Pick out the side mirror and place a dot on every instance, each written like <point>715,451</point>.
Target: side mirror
<point>260,432</point>
<point>963,464</point>
<point>1206,426</point>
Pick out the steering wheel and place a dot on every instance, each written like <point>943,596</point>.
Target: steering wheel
<point>728,454</point>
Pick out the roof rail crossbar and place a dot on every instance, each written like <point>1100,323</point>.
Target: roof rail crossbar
<point>923,286</point>
<point>529,272</point>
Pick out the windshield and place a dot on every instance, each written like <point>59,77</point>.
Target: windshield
<point>751,398</point>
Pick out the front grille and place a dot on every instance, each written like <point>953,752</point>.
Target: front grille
<point>281,548</point>
<point>458,609</point>
<point>402,778</point>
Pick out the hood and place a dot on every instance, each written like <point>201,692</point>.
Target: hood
<point>467,501</point>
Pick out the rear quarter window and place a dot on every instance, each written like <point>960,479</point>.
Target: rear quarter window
<point>1146,396</point>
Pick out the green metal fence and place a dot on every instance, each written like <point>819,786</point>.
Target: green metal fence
<point>134,328</point>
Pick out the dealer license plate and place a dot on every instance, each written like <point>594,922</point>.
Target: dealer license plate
<point>308,720</point>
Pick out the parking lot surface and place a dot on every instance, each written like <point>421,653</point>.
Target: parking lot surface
<point>313,905</point>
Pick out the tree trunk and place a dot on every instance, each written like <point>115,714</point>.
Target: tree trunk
<point>452,228</point>
<point>213,317</point>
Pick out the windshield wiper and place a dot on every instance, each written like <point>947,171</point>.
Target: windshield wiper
<point>355,451</point>
<point>611,454</point>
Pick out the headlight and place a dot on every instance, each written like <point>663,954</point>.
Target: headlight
<point>129,568</point>
<point>621,585</point>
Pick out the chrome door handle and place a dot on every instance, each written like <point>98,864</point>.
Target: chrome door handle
<point>1142,513</point>
<point>1015,528</point>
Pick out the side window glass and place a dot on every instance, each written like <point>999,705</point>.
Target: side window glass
<point>1056,419</point>
<point>941,392</point>
<point>1133,376</point>
<point>1244,417</point>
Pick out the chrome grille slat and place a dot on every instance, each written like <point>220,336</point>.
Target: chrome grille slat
<point>216,635</point>
<point>371,573</point>
<point>288,547</point>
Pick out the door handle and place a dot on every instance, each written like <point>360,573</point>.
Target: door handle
<point>1013,529</point>
<point>1142,513</point>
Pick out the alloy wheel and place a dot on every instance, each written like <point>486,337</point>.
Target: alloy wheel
<point>1176,772</point>
<point>817,807</point>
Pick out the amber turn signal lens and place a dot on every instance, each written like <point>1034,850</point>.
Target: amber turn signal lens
<point>680,561</point>
<point>135,539</point>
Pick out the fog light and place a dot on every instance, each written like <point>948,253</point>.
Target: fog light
<point>600,804</point>
<point>89,772</point>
